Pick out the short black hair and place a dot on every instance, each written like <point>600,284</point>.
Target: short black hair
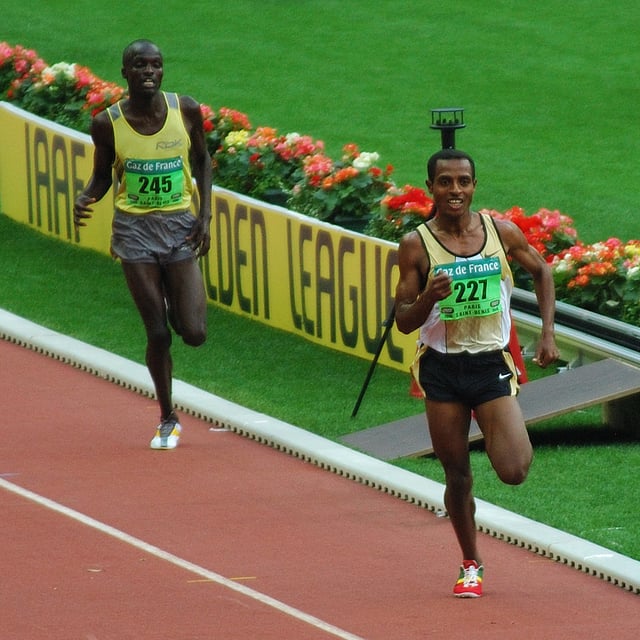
<point>448,154</point>
<point>132,48</point>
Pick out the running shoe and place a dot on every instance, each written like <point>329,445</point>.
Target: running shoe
<point>469,584</point>
<point>167,434</point>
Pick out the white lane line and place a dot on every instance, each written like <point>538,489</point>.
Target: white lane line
<point>178,562</point>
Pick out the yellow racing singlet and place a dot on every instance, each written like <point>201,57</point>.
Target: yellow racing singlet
<point>153,170</point>
<point>475,318</point>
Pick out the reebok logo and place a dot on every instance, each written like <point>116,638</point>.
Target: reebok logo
<point>169,144</point>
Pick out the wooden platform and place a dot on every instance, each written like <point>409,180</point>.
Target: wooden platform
<point>600,382</point>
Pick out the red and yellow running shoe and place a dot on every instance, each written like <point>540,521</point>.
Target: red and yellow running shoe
<point>469,584</point>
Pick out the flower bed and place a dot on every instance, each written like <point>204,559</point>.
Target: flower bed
<point>293,170</point>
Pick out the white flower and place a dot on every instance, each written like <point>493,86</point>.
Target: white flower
<point>365,160</point>
<point>562,265</point>
<point>633,273</point>
<point>49,74</point>
<point>292,138</point>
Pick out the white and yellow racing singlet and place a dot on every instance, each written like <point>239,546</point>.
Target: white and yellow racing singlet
<point>153,170</point>
<point>475,318</point>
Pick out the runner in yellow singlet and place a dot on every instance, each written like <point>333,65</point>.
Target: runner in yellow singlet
<point>155,142</point>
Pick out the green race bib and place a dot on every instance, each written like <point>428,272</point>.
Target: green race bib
<point>475,289</point>
<point>154,183</point>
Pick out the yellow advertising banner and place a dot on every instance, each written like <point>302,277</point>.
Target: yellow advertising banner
<point>327,284</point>
<point>43,166</point>
<point>330,285</point>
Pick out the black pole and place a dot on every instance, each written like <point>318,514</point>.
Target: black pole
<point>383,339</point>
<point>446,121</point>
<point>448,138</point>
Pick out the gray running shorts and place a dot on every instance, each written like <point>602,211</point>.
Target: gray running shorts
<point>152,237</point>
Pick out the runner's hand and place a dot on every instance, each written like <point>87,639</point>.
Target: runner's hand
<point>81,210</point>
<point>200,238</point>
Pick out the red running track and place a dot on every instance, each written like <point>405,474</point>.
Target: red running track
<point>225,538</point>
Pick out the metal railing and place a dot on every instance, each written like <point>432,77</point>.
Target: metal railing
<point>582,336</point>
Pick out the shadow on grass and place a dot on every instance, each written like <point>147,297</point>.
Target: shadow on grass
<point>580,436</point>
<point>562,432</point>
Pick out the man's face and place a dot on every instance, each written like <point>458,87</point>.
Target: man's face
<point>452,186</point>
<point>143,70</point>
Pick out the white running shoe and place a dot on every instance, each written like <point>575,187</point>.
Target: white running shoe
<point>167,434</point>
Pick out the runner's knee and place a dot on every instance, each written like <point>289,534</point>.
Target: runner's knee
<point>193,336</point>
<point>514,473</point>
<point>459,481</point>
<point>158,336</point>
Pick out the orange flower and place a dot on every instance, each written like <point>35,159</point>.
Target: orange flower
<point>350,151</point>
<point>581,280</point>
<point>346,173</point>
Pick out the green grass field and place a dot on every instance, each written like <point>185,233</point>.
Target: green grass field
<point>549,88</point>
<point>549,97</point>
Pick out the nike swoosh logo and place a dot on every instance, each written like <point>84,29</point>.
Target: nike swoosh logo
<point>504,376</point>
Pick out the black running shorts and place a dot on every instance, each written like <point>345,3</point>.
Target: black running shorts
<point>470,379</point>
